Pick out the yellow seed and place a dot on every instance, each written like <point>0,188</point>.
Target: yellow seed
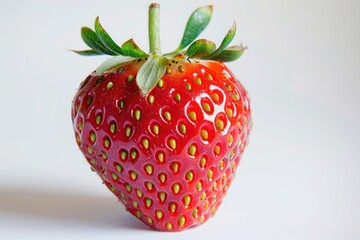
<point>123,154</point>
<point>122,194</point>
<point>114,176</point>
<point>112,127</point>
<point>128,131</point>
<point>192,150</point>
<point>159,214</point>
<point>169,225</point>
<point>221,165</point>
<point>202,162</point>
<point>189,176</point>
<point>215,97</point>
<point>199,186</point>
<point>217,150</point>
<point>175,167</point>
<point>236,97</point>
<point>145,143</point>
<point>160,156</point>
<point>78,139</point>
<point>188,86</point>
<point>176,188</point>
<point>181,69</point>
<point>149,186</point>
<point>187,200</point>
<point>167,116</point>
<point>182,129</point>
<point>81,126</point>
<point>172,143</point>
<point>172,207</point>
<point>162,177</point>
<point>220,124</point>
<point>133,175</point>
<point>210,174</point>
<point>139,193</point>
<point>134,154</point>
<point>160,83</point>
<point>130,78</point>
<point>122,104</point>
<point>109,85</point>
<point>138,214</point>
<point>192,115</point>
<point>202,218</point>
<point>195,213</point>
<point>92,137</point>
<point>156,129</point>
<point>206,107</point>
<point>128,187</point>
<point>149,169</point>
<point>104,155</point>
<point>112,188</point>
<point>151,99</point>
<point>98,119</point>
<point>150,220</point>
<point>177,97</point>
<point>206,204</point>
<point>229,112</point>
<point>135,204</point>
<point>181,221</point>
<point>162,196</point>
<point>107,142</point>
<point>168,70</point>
<point>203,196</point>
<point>90,149</point>
<point>209,77</point>
<point>198,81</point>
<point>148,202</point>
<point>137,114</point>
<point>204,134</point>
<point>230,139</point>
<point>228,87</point>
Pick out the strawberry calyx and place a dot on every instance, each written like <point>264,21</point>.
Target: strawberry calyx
<point>154,66</point>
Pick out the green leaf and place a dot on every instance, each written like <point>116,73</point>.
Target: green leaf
<point>230,54</point>
<point>200,48</point>
<point>106,39</point>
<point>92,40</point>
<point>225,42</point>
<point>130,48</point>
<point>113,62</point>
<point>88,52</point>
<point>150,73</point>
<point>197,22</point>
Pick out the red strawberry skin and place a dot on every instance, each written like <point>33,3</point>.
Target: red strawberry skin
<point>169,155</point>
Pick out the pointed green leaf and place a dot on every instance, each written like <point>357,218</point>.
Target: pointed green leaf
<point>113,62</point>
<point>200,48</point>
<point>88,52</point>
<point>197,22</point>
<point>130,48</point>
<point>230,54</point>
<point>106,39</point>
<point>92,40</point>
<point>150,73</point>
<point>225,42</point>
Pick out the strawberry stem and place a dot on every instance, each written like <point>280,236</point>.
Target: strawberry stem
<point>154,33</point>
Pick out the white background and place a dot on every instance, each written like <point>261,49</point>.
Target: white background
<point>299,178</point>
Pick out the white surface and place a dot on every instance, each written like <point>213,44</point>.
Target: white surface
<point>299,178</point>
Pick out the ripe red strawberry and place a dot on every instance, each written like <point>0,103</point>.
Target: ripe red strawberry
<point>164,132</point>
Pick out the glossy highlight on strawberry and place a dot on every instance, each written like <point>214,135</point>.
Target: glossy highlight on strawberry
<point>167,150</point>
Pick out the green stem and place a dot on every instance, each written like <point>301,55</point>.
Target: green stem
<point>154,33</point>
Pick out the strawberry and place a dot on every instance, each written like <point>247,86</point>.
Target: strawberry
<point>165,132</point>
